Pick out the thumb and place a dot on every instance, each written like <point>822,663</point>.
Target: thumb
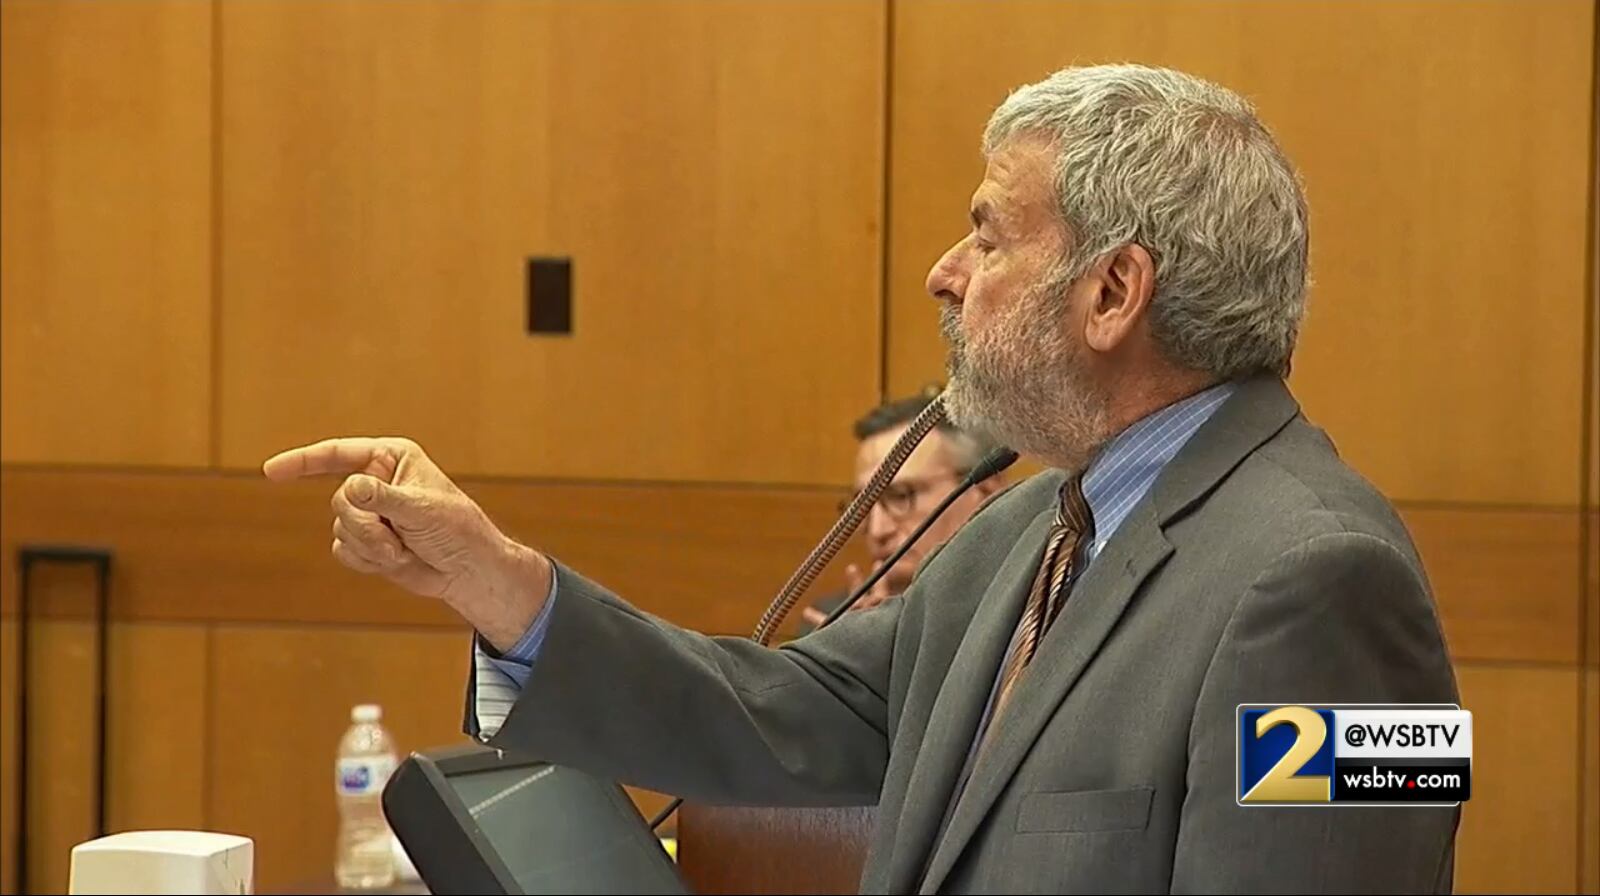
<point>392,501</point>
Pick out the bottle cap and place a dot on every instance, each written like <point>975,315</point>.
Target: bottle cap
<point>366,712</point>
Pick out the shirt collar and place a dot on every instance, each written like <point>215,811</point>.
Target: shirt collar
<point>1127,467</point>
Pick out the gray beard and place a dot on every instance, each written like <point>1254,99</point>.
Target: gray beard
<point>1023,384</point>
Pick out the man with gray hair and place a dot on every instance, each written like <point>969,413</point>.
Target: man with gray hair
<point>1052,705</point>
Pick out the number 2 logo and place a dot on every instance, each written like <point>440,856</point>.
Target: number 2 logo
<point>1280,784</point>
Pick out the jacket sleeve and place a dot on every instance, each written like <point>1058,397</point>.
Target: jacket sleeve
<point>626,695</point>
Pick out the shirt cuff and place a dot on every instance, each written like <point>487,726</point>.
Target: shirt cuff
<point>518,659</point>
<point>501,677</point>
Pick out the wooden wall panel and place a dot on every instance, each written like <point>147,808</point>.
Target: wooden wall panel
<point>281,698</point>
<point>1590,839</point>
<point>1503,580</point>
<point>106,222</point>
<point>1591,437</point>
<point>225,547</point>
<point>1591,528</point>
<point>1590,585</point>
<point>1589,873</point>
<point>1519,831</point>
<point>1592,354</point>
<point>9,694</point>
<point>709,558</point>
<point>157,747</point>
<point>61,768</point>
<point>713,171</point>
<point>159,741</point>
<point>1449,214</point>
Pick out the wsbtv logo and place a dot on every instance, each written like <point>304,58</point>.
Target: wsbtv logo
<point>1405,755</point>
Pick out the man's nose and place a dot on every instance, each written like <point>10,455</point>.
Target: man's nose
<point>880,525</point>
<point>947,280</point>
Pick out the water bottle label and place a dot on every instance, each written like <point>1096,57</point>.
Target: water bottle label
<point>365,776</point>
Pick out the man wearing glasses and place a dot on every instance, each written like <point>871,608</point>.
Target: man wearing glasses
<point>931,472</point>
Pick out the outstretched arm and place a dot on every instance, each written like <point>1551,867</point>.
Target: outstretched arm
<point>611,689</point>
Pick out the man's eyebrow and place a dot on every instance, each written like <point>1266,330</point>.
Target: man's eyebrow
<point>998,219</point>
<point>981,213</point>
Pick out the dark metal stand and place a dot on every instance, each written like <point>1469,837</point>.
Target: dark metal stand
<point>27,557</point>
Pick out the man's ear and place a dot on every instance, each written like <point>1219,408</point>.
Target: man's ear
<point>1125,283</point>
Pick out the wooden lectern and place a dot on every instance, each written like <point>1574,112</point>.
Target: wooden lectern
<point>730,849</point>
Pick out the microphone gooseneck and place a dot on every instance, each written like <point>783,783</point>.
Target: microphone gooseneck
<point>846,525</point>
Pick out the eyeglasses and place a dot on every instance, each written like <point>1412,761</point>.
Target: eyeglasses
<point>900,498</point>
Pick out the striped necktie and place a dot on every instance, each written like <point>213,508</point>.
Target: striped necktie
<point>1073,523</point>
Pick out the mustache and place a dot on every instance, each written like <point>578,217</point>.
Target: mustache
<point>950,329</point>
<point>950,322</point>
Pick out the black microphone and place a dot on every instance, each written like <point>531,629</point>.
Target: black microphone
<point>996,462</point>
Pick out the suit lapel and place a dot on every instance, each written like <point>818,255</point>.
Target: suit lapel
<point>1259,408</point>
<point>1096,602</point>
<point>953,720</point>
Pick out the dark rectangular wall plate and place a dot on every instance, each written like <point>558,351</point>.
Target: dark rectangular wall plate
<point>550,296</point>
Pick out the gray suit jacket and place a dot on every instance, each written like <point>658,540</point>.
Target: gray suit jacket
<point>1259,569</point>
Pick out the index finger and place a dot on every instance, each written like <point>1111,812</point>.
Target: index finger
<point>341,456</point>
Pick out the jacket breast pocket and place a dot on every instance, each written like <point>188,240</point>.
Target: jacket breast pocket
<point>1085,811</point>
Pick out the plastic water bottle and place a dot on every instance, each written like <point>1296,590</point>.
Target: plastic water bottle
<point>367,756</point>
